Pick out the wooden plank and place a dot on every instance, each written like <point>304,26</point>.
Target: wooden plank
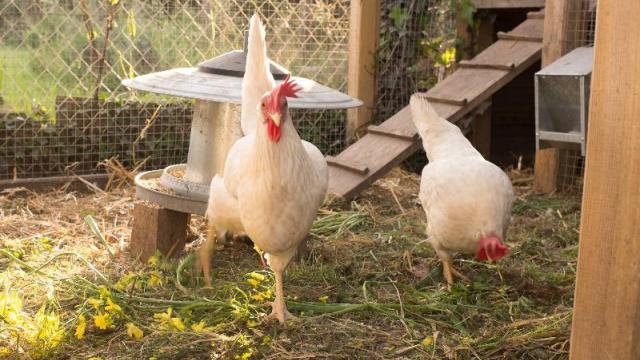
<point>606,320</point>
<point>546,167</point>
<point>513,52</point>
<point>516,37</point>
<point>456,102</point>
<point>556,42</point>
<point>379,130</point>
<point>350,166</point>
<point>156,228</point>
<point>470,64</point>
<point>507,4</point>
<point>361,81</point>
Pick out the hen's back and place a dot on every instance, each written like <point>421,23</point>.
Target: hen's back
<point>465,198</point>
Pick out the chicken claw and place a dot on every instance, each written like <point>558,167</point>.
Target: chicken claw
<point>279,312</point>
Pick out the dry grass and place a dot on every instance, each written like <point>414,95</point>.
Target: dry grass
<point>370,288</point>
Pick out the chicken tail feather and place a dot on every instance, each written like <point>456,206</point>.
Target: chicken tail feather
<point>257,77</point>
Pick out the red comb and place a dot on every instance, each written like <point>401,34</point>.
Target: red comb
<point>288,88</point>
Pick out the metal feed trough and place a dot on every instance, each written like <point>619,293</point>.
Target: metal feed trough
<point>216,85</point>
<point>562,100</point>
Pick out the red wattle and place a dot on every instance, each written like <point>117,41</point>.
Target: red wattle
<point>273,131</point>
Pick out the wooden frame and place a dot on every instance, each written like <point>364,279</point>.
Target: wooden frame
<point>363,41</point>
<point>606,321</point>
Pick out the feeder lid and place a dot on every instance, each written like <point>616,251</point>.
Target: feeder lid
<point>233,64</point>
<point>220,79</point>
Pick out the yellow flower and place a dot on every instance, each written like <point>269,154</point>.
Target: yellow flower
<point>257,276</point>
<point>253,282</point>
<point>155,279</point>
<point>82,326</point>
<point>258,297</point>
<point>323,298</point>
<point>201,327</point>
<point>177,324</point>
<point>112,307</point>
<point>134,331</point>
<point>95,358</point>
<point>125,280</point>
<point>103,321</point>
<point>252,323</point>
<point>153,261</point>
<point>96,303</point>
<point>164,316</point>
<point>426,342</point>
<point>104,292</point>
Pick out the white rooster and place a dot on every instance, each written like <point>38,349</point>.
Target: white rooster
<point>274,182</point>
<point>222,209</point>
<point>466,198</point>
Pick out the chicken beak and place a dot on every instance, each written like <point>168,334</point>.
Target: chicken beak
<point>276,117</point>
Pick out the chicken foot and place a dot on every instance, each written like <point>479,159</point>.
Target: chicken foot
<point>450,271</point>
<point>279,308</point>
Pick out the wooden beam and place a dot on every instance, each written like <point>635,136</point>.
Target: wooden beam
<point>363,41</point>
<point>481,133</point>
<point>508,4</point>
<point>606,320</point>
<point>557,40</point>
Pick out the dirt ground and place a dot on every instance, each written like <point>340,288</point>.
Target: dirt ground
<point>370,287</point>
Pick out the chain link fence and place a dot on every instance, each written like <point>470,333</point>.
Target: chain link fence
<point>63,109</point>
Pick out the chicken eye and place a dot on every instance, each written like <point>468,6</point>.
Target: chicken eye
<point>263,105</point>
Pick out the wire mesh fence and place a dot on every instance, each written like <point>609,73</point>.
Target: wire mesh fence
<point>63,108</point>
<point>582,20</point>
<point>417,48</point>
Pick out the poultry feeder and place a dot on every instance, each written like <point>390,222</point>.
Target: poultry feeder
<point>562,100</point>
<point>216,84</point>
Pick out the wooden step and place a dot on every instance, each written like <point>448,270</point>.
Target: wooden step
<point>378,130</point>
<point>470,64</point>
<point>455,102</point>
<point>516,37</point>
<point>535,15</point>
<point>350,166</point>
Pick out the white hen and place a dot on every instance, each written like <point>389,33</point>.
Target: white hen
<point>466,198</point>
<point>274,182</point>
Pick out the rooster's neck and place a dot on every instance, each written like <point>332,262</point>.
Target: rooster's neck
<point>270,154</point>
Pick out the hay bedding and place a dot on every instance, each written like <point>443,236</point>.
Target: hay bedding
<point>370,287</point>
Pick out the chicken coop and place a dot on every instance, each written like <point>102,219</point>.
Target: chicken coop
<point>115,116</point>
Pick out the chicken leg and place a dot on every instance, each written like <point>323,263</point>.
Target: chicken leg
<point>279,308</point>
<point>448,269</point>
<point>205,253</point>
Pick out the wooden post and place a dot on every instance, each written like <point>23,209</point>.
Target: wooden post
<point>157,228</point>
<point>559,18</point>
<point>481,133</point>
<point>363,41</point>
<point>606,321</point>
